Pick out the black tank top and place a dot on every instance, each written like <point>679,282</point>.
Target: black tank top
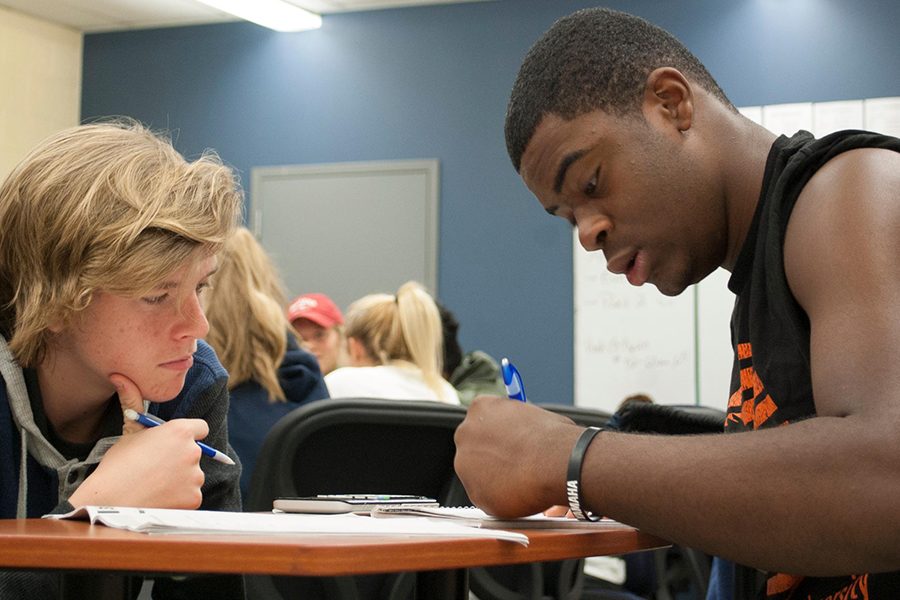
<point>771,381</point>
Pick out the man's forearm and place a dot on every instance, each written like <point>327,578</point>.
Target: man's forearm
<point>813,498</point>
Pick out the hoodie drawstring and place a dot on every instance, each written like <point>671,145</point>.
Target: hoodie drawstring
<point>21,505</point>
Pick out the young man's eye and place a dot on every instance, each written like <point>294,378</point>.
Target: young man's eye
<point>155,299</point>
<point>591,186</point>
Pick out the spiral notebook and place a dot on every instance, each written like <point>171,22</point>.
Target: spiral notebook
<point>475,517</point>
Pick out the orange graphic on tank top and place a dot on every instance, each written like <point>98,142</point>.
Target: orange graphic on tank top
<point>750,404</point>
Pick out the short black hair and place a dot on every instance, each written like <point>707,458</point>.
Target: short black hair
<point>593,59</point>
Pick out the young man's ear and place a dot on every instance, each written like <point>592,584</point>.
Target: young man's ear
<point>668,99</point>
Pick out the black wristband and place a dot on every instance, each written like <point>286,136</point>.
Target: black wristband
<point>573,474</point>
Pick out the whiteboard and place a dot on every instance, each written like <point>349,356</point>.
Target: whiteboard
<point>629,340</point>
<point>715,354</point>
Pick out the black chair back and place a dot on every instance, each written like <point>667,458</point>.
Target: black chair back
<point>589,417</point>
<point>676,570</point>
<point>353,446</point>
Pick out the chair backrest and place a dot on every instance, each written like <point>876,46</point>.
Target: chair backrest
<point>589,417</point>
<point>358,445</point>
<point>677,567</point>
<point>353,446</point>
<point>675,419</point>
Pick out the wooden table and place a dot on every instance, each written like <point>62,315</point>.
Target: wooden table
<point>75,546</point>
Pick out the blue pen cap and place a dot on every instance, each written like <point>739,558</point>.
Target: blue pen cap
<point>515,389</point>
<point>506,371</point>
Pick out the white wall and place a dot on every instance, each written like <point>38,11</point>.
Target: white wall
<point>40,79</point>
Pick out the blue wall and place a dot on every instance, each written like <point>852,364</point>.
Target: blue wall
<point>433,82</point>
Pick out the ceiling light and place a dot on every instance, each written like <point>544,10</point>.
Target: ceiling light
<point>274,14</point>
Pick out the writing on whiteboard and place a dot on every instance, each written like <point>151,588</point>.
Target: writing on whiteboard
<point>629,340</point>
<point>637,354</point>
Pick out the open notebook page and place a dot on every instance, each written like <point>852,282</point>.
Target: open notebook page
<point>172,521</point>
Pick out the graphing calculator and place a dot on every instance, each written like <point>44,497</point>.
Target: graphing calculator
<point>346,503</point>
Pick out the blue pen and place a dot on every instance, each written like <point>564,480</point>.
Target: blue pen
<point>515,389</point>
<point>148,420</point>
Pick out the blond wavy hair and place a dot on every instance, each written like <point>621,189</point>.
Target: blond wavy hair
<point>247,325</point>
<point>107,206</point>
<point>405,327</point>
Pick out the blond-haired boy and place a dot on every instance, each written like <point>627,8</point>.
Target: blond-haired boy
<point>107,238</point>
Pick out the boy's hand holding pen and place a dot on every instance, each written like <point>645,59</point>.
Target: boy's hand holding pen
<point>136,419</point>
<point>159,468</point>
<point>148,420</point>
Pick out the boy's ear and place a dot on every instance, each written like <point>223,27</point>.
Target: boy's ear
<point>56,326</point>
<point>668,98</point>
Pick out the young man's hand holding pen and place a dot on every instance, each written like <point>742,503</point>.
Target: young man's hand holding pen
<point>515,389</point>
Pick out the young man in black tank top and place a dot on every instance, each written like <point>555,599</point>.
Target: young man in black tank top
<point>616,127</point>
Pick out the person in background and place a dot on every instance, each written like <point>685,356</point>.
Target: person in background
<point>395,349</point>
<point>473,374</point>
<point>634,399</point>
<point>617,128</point>
<point>108,238</point>
<point>320,324</point>
<point>269,375</point>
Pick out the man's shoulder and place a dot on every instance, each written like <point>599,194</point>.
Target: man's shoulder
<point>478,373</point>
<point>841,235</point>
<point>850,176</point>
<point>861,183</point>
<point>882,160</point>
<point>478,363</point>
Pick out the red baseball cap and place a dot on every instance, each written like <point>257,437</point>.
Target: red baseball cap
<point>318,308</point>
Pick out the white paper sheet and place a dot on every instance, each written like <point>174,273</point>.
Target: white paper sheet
<point>475,517</point>
<point>171,521</point>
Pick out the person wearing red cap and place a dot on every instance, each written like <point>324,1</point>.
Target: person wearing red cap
<point>320,324</point>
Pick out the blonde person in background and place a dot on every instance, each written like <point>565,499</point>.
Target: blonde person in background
<point>269,374</point>
<point>395,349</point>
<point>320,324</point>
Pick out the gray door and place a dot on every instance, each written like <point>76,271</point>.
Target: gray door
<point>349,229</point>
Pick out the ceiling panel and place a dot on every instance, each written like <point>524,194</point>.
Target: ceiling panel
<point>111,15</point>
